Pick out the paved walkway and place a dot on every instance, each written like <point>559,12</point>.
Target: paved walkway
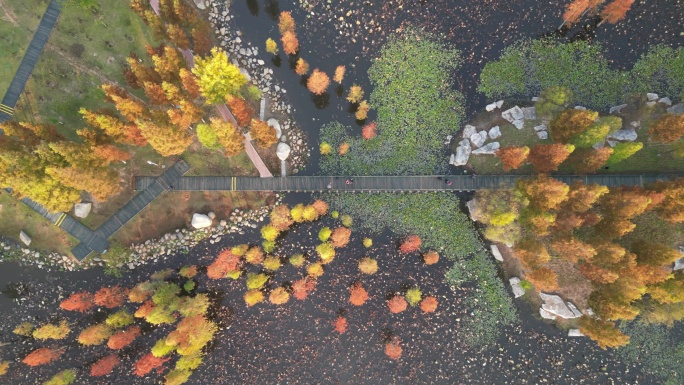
<point>225,113</point>
<point>28,63</point>
<point>386,183</point>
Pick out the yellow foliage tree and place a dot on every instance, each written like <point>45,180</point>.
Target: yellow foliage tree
<point>217,77</point>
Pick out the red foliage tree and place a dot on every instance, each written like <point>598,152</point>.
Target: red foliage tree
<point>340,324</point>
<point>392,349</point>
<point>224,263</point>
<point>428,304</point>
<point>369,131</point>
<point>147,363</point>
<point>575,10</point>
<point>616,10</point>
<point>397,304</point>
<point>104,365</point>
<point>241,110</point>
<point>145,309</point>
<point>81,302</point>
<point>410,244</point>
<point>547,157</point>
<point>589,160</point>
<point>123,338</point>
<point>111,297</point>
<point>302,287</point>
<point>340,237</point>
<point>512,157</point>
<point>357,294</point>
<point>42,356</point>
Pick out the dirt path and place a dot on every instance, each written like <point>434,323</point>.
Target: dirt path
<point>9,14</point>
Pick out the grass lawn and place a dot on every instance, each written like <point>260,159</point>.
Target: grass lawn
<point>173,210</point>
<point>19,22</point>
<point>85,50</point>
<point>16,216</point>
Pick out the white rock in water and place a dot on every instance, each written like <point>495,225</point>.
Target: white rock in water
<point>555,305</point>
<point>283,151</point>
<point>519,124</point>
<point>82,210</point>
<point>581,108</point>
<point>462,155</point>
<point>541,127</point>
<point>651,96</point>
<point>512,114</point>
<point>617,109</point>
<point>275,124</point>
<point>530,113</point>
<point>499,103</point>
<point>575,333</point>
<point>518,290</point>
<point>489,149</point>
<point>490,107</point>
<point>624,135</point>
<point>546,315</point>
<point>665,101</point>
<point>25,238</point>
<point>496,253</point>
<point>494,132</point>
<point>543,135</point>
<point>200,221</point>
<point>478,139</point>
<point>468,131</point>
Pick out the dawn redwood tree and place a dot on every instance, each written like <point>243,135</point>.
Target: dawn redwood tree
<point>368,265</point>
<point>123,338</point>
<point>671,208</point>
<point>583,197</point>
<point>654,254</point>
<point>95,335</point>
<point>410,244</point>
<point>253,297</point>
<point>281,219</point>
<point>428,304</point>
<point>271,46</point>
<point>339,74</point>
<point>431,257</point>
<point>397,304</point>
<point>290,43</point>
<point>100,182</point>
<point>362,110</point>
<point>201,42</point>
<point>52,331</point>
<point>104,365</point>
<point>340,324</point>
<point>392,349</point>
<point>81,302</point>
<point>624,203</point>
<point>320,206</point>
<point>589,160</point>
<point>217,77</point>
<point>178,36</point>
<point>571,122</point>
<point>616,11</point>
<point>605,333</point>
<point>228,136</point>
<point>575,10</point>
<point>369,131</point>
<point>543,279</point>
<point>279,296</point>
<point>286,22</point>
<point>302,287</point>
<point>42,356</point>
<point>547,157</point>
<point>340,237</point>
<point>147,363</point>
<point>191,335</point>
<point>111,297</point>
<point>355,94</point>
<point>531,253</point>
<point>262,133</point>
<point>544,192</point>
<point>318,82</point>
<point>512,157</point>
<point>225,263</point>
<point>302,67</point>
<point>241,110</point>
<point>166,139</point>
<point>357,294</point>
<point>572,249</point>
<point>669,128</point>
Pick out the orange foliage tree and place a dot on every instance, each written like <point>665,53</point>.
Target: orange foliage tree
<point>671,208</point>
<point>81,302</point>
<point>547,157</point>
<point>431,257</point>
<point>575,10</point>
<point>339,74</point>
<point>410,244</point>
<point>147,363</point>
<point>111,297</point>
<point>104,365</point>
<point>428,304</point>
<point>286,22</point>
<point>603,332</point>
<point>318,82</point>
<point>290,43</point>
<point>512,157</point>
<point>262,133</point>
<point>241,110</point>
<point>302,287</point>
<point>279,296</point>
<point>392,349</point>
<point>340,324</point>
<point>357,294</point>
<point>543,279</point>
<point>123,338</point>
<point>302,67</point>
<point>369,131</point>
<point>42,356</point>
<point>397,304</point>
<point>340,237</point>
<point>669,128</point>
<point>543,192</point>
<point>320,206</point>
<point>616,10</point>
<point>225,263</point>
<point>589,160</point>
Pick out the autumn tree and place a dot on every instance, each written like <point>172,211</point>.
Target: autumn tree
<point>42,356</point>
<point>654,254</point>
<point>512,157</point>
<point>320,206</point>
<point>410,244</point>
<point>228,136</point>
<point>552,100</point>
<point>543,279</point>
<point>81,302</point>
<point>101,183</point>
<point>191,335</point>
<point>571,122</point>
<point>147,363</point>
<point>572,249</point>
<point>355,94</point>
<point>281,219</point>
<point>271,46</point>
<point>302,67</point>
<point>669,128</point>
<point>596,133</point>
<point>262,133</point>
<point>531,253</point>
<point>225,263</point>
<point>368,265</point>
<point>104,365</point>
<point>392,349</point>
<point>178,36</point>
<point>95,335</point>
<point>201,42</point>
<point>575,10</point>
<point>339,74</point>
<point>340,237</point>
<point>318,82</point>
<point>431,257</point>
<point>544,192</point>
<point>110,297</point>
<point>286,22</point>
<point>52,331</point>
<point>217,77</point>
<point>166,139</point>
<point>547,157</point>
<point>253,297</point>
<point>397,304</point>
<point>302,287</point>
<point>189,82</point>
<point>340,324</point>
<point>589,160</point>
<point>671,208</point>
<point>290,43</point>
<point>123,338</point>
<point>624,203</point>
<point>362,110</point>
<point>65,377</point>
<point>241,110</point>
<point>114,127</point>
<point>357,294</point>
<point>605,333</point>
<point>428,304</point>
<point>624,150</point>
<point>369,131</point>
<point>279,296</point>
<point>616,11</point>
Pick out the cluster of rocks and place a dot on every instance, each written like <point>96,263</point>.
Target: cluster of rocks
<point>246,57</point>
<point>13,252</point>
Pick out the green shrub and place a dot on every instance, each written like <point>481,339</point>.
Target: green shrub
<point>120,319</point>
<point>256,281</point>
<point>297,260</point>
<point>189,286</point>
<point>324,234</point>
<point>413,296</point>
<point>65,377</point>
<point>207,136</point>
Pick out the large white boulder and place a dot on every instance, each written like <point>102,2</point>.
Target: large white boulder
<point>543,135</point>
<point>468,131</point>
<point>494,132</point>
<point>652,97</point>
<point>25,238</point>
<point>512,114</point>
<point>478,139</point>
<point>518,290</point>
<point>462,155</point>
<point>283,151</point>
<point>275,124</point>
<point>489,149</point>
<point>546,315</point>
<point>200,221</point>
<point>666,101</point>
<point>624,135</point>
<point>556,306</point>
<point>82,210</point>
<point>490,107</point>
<point>496,253</point>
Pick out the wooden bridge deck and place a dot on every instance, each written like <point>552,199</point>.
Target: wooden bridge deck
<point>385,183</point>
